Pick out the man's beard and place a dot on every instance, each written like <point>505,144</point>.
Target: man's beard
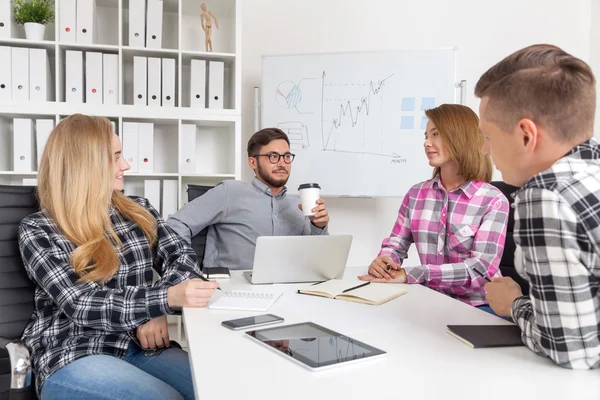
<point>269,179</point>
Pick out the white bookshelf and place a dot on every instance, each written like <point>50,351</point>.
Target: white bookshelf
<point>218,138</point>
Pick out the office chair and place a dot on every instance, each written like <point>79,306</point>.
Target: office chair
<point>198,241</point>
<point>16,293</point>
<point>507,264</point>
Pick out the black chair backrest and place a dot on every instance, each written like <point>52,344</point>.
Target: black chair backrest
<point>507,265</point>
<point>198,241</point>
<point>16,289</point>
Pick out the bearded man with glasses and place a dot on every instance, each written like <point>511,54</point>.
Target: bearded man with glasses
<point>237,212</point>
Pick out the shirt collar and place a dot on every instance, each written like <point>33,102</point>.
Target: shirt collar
<point>469,188</point>
<point>587,151</point>
<point>263,188</point>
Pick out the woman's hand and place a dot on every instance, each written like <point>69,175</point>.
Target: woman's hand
<point>154,333</point>
<point>384,269</point>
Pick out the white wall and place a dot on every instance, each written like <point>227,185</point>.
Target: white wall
<point>483,31</point>
<point>594,59</point>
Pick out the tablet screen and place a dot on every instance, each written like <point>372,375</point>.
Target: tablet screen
<point>313,344</point>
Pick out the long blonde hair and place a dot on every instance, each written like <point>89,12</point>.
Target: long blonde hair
<point>458,127</point>
<point>75,189</point>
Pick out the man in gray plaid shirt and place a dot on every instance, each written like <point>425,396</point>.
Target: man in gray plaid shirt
<point>537,111</point>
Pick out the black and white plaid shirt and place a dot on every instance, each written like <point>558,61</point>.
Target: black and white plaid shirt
<point>72,320</point>
<point>557,233</point>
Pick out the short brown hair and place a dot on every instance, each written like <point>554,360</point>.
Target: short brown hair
<point>263,138</point>
<point>545,84</point>
<point>458,127</point>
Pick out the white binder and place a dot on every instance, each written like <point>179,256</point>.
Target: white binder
<point>152,192</point>
<point>169,198</point>
<point>30,182</point>
<point>20,73</point>
<point>154,24</point>
<point>168,82</point>
<point>93,77</point>
<point>139,81</point>
<point>67,20</point>
<point>74,76</point>
<point>5,73</point>
<point>137,23</point>
<point>110,81</point>
<point>130,144</point>
<point>23,154</point>
<point>216,78</point>
<point>146,147</point>
<point>154,81</point>
<point>187,161</point>
<point>40,80</point>
<point>198,84</point>
<point>86,22</point>
<point>6,22</point>
<point>43,128</point>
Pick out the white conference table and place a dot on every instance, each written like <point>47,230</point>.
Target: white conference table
<point>422,361</point>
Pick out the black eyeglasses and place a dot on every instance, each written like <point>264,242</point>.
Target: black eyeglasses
<point>275,157</point>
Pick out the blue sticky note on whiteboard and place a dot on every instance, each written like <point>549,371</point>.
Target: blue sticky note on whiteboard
<point>427,103</point>
<point>424,122</point>
<point>408,104</point>
<point>407,122</point>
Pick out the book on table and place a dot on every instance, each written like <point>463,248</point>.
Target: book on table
<point>356,290</point>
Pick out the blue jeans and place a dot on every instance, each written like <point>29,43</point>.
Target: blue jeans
<point>164,376</point>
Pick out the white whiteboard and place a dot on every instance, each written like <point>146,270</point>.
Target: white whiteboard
<point>356,120</point>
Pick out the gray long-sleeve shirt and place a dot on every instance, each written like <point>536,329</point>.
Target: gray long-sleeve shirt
<point>237,213</point>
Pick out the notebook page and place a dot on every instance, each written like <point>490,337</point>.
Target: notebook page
<point>379,292</point>
<point>245,300</point>
<point>334,286</point>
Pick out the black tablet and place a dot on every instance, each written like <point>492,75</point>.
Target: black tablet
<point>314,346</point>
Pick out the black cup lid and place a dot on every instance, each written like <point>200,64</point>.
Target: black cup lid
<point>309,186</point>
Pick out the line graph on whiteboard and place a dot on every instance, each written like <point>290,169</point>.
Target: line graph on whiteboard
<point>349,117</point>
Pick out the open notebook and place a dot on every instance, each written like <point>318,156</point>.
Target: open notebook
<point>357,291</point>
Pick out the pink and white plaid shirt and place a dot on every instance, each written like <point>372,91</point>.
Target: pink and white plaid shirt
<point>455,233</point>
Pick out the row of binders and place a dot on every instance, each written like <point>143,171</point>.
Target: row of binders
<point>101,77</point>
<point>154,81</point>
<point>152,191</point>
<point>145,23</point>
<point>199,74</point>
<point>25,75</point>
<point>77,21</point>
<point>29,143</point>
<point>29,138</point>
<point>138,146</point>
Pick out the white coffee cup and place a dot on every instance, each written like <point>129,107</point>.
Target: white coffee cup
<point>309,194</point>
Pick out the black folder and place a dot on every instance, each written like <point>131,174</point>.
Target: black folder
<point>481,336</point>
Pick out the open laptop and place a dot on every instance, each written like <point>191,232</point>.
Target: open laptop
<point>294,259</point>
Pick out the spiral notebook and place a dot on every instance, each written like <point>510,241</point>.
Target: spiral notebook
<point>245,300</point>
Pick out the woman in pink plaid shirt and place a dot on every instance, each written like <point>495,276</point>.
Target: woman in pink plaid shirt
<point>457,219</point>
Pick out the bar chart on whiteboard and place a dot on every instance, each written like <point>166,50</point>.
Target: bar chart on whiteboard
<point>356,120</point>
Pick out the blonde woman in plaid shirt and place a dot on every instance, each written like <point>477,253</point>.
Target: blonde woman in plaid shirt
<point>537,109</point>
<point>99,327</point>
<point>457,220</point>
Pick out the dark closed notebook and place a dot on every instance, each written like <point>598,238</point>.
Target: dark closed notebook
<point>480,336</point>
<point>217,273</point>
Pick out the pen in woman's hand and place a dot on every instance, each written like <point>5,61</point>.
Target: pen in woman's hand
<point>206,280</point>
<point>482,275</point>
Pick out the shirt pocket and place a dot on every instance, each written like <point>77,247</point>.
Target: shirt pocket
<point>461,237</point>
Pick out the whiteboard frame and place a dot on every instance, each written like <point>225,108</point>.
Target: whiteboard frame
<point>459,90</point>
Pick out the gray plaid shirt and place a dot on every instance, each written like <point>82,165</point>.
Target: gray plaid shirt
<point>72,320</point>
<point>557,233</point>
